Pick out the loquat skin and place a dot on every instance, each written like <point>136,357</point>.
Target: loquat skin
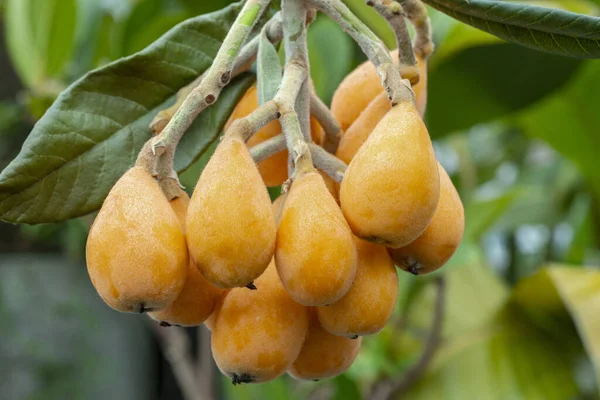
<point>442,237</point>
<point>230,224</point>
<point>199,297</point>
<point>136,254</point>
<point>273,169</point>
<point>363,84</point>
<point>391,188</point>
<point>323,355</point>
<point>362,127</point>
<point>315,253</point>
<point>257,334</point>
<point>369,303</point>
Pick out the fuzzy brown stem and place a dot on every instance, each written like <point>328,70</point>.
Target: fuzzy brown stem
<point>394,14</point>
<point>295,15</point>
<point>242,64</point>
<point>417,14</point>
<point>245,127</point>
<point>397,89</point>
<point>294,76</point>
<point>217,77</point>
<point>269,147</point>
<point>328,163</point>
<point>332,128</point>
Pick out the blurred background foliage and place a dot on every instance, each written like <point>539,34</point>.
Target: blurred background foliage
<point>518,131</point>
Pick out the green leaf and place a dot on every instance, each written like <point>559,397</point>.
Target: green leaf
<point>484,85</point>
<point>40,36</point>
<point>331,54</point>
<point>551,30</point>
<point>505,359</point>
<point>268,76</point>
<point>557,292</point>
<point>569,121</point>
<point>93,132</point>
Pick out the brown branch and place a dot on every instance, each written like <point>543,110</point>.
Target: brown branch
<point>394,387</point>
<point>175,346</point>
<point>394,14</point>
<point>332,128</point>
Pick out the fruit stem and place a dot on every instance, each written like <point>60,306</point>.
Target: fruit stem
<point>266,149</point>
<point>417,14</point>
<point>328,163</point>
<point>398,90</point>
<point>332,128</point>
<point>295,15</point>
<point>217,77</point>
<point>242,64</point>
<point>245,127</point>
<point>394,14</point>
<point>295,74</point>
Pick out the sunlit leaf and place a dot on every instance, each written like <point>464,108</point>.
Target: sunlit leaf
<point>559,292</point>
<point>40,36</point>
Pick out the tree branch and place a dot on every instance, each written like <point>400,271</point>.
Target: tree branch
<point>417,14</point>
<point>332,128</point>
<point>394,14</point>
<point>175,346</point>
<point>394,387</point>
<point>328,163</point>
<point>242,64</point>
<point>295,14</point>
<point>207,92</point>
<point>397,89</point>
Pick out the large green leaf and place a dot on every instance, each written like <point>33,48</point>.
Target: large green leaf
<point>559,292</point>
<point>94,130</point>
<point>569,122</point>
<point>551,30</point>
<point>506,359</point>
<point>478,84</point>
<point>40,36</point>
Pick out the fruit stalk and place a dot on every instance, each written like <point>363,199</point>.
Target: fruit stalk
<point>397,89</point>
<point>294,76</point>
<point>295,14</point>
<point>394,14</point>
<point>328,163</point>
<point>245,127</point>
<point>218,75</point>
<point>242,64</point>
<point>417,14</point>
<point>331,127</point>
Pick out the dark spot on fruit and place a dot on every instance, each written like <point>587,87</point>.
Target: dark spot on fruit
<point>354,337</point>
<point>164,324</point>
<point>251,286</point>
<point>237,379</point>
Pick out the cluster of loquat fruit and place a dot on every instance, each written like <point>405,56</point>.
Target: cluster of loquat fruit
<point>320,259</point>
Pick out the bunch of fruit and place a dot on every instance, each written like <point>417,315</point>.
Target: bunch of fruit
<point>290,286</point>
